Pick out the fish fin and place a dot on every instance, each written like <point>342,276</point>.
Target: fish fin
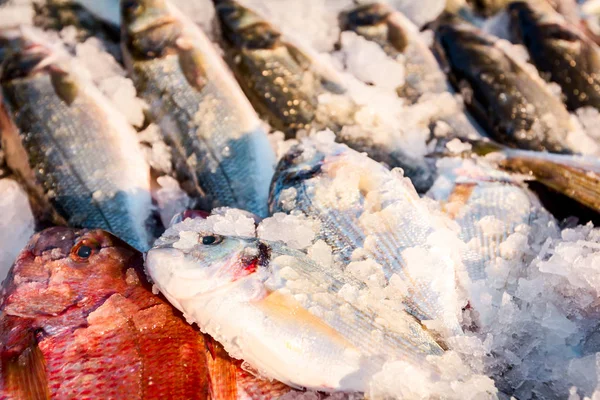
<point>25,374</point>
<point>222,371</point>
<point>64,85</point>
<point>397,37</point>
<point>308,62</point>
<point>575,181</point>
<point>191,62</point>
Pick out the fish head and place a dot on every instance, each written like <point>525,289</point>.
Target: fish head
<point>190,259</point>
<point>298,165</point>
<point>364,17</point>
<point>148,29</point>
<point>20,55</point>
<point>64,269</point>
<point>243,28</point>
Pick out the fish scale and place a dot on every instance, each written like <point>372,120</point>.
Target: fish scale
<point>348,228</point>
<point>83,156</point>
<point>221,153</point>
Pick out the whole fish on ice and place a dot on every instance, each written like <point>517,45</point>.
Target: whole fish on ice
<point>79,320</point>
<point>220,152</point>
<point>286,316</point>
<point>373,219</point>
<point>77,156</point>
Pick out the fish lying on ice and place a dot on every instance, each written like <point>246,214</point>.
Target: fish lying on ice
<point>560,50</point>
<point>372,218</point>
<point>510,101</point>
<point>289,318</point>
<point>75,153</point>
<point>220,152</point>
<point>401,40</point>
<point>79,320</point>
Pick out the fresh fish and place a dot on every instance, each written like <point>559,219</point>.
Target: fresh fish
<point>373,220</point>
<point>286,316</point>
<point>488,205</point>
<point>560,50</point>
<point>75,153</point>
<point>281,78</point>
<point>220,151</point>
<point>401,39</point>
<point>79,320</point>
<point>510,101</point>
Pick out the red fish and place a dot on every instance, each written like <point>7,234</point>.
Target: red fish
<point>79,320</point>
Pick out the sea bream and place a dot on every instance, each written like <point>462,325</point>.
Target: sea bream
<point>286,316</point>
<point>510,101</point>
<point>560,50</point>
<point>79,320</point>
<point>220,152</point>
<point>76,154</point>
<point>376,224</point>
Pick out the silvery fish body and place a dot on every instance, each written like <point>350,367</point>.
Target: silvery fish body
<point>220,152</point>
<point>75,153</point>
<point>489,205</point>
<point>374,221</point>
<point>509,100</point>
<point>288,317</point>
<point>560,50</point>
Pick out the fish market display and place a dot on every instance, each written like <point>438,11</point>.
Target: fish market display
<point>509,100</point>
<point>272,306</point>
<point>78,320</point>
<point>338,199</point>
<point>559,50</point>
<point>375,223</point>
<point>219,150</point>
<point>75,153</point>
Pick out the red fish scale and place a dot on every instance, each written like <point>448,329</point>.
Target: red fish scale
<point>110,337</point>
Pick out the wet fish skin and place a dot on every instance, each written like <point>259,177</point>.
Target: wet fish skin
<point>257,285</point>
<point>277,76</point>
<point>77,156</point>
<point>220,152</point>
<point>309,170</point>
<point>78,319</point>
<point>512,105</point>
<point>562,51</point>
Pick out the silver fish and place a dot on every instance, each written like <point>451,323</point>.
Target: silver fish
<point>75,153</point>
<point>220,151</point>
<point>369,213</point>
<point>286,316</point>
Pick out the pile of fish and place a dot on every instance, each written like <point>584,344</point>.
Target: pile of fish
<point>261,199</point>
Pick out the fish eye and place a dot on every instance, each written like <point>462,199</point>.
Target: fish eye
<point>83,250</point>
<point>210,240</point>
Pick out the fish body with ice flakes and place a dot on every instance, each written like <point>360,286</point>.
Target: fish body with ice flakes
<point>559,50</point>
<point>488,205</point>
<point>77,156</point>
<point>220,152</point>
<point>506,97</point>
<point>79,320</point>
<point>280,312</point>
<point>369,214</point>
<point>402,41</point>
<point>279,77</point>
